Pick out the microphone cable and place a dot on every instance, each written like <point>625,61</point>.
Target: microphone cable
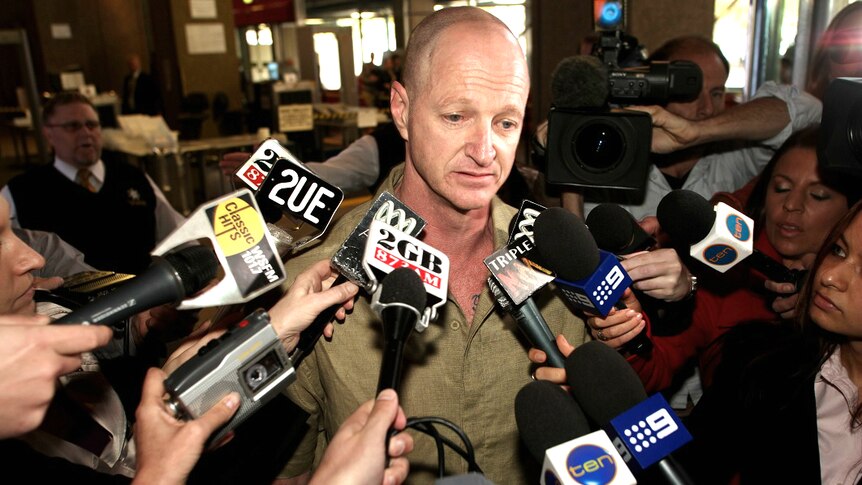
<point>426,426</point>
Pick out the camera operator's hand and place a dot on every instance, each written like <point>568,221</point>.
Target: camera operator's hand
<point>168,449</point>
<point>306,298</point>
<point>670,132</point>
<point>33,354</point>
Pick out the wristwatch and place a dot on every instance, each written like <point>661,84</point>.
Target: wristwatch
<point>692,289</point>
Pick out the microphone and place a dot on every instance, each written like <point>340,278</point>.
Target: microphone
<point>579,82</point>
<point>589,278</point>
<point>400,302</point>
<point>284,186</point>
<point>514,280</point>
<point>616,231</point>
<point>720,236</point>
<point>532,324</point>
<point>243,245</point>
<point>644,430</point>
<point>169,279</point>
<point>348,260</point>
<point>556,432</point>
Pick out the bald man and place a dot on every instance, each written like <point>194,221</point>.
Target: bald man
<point>460,110</point>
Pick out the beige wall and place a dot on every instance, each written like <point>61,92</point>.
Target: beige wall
<point>207,73</point>
<point>104,33</point>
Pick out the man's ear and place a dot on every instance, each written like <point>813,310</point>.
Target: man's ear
<point>399,105</point>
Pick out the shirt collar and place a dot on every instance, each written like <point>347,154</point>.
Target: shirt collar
<point>833,373</point>
<point>70,172</point>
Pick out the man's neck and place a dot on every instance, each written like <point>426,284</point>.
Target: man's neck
<point>680,168</point>
<point>466,237</point>
<point>448,228</point>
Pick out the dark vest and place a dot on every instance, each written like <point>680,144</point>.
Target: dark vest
<point>391,150</point>
<point>114,228</point>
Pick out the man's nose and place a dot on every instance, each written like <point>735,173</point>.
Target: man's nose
<point>480,145</point>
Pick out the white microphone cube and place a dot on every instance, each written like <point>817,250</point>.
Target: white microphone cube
<point>730,240</point>
<point>592,458</point>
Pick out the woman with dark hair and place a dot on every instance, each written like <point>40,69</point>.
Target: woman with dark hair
<point>794,206</point>
<point>785,405</point>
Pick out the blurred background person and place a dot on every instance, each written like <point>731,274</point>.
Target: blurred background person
<point>838,52</point>
<point>141,93</point>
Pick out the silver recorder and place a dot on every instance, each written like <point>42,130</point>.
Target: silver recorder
<point>248,359</point>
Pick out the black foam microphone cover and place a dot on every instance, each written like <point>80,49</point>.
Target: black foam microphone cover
<point>616,231</point>
<point>564,244</point>
<point>403,285</point>
<point>579,82</point>
<point>195,265</point>
<point>602,381</point>
<point>404,295</point>
<point>687,216</point>
<point>547,416</point>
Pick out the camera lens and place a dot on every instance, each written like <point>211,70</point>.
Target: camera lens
<point>598,146</point>
<point>256,375</point>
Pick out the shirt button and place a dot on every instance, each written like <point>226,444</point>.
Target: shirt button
<point>454,325</point>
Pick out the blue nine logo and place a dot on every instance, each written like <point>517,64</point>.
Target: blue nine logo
<point>591,465</point>
<point>720,254</point>
<point>737,227</point>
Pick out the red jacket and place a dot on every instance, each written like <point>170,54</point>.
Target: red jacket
<point>742,299</point>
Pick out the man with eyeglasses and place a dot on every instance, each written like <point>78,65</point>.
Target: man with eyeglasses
<point>111,211</point>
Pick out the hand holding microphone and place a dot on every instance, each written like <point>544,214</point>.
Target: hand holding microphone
<point>590,279</point>
<point>621,325</point>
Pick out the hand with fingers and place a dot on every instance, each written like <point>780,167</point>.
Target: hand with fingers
<point>620,326</point>
<point>33,354</point>
<point>157,430</point>
<point>357,454</point>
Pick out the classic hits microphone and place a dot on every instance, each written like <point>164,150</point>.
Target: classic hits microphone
<point>719,236</point>
<point>616,231</point>
<point>589,278</point>
<point>401,303</point>
<point>557,433</point>
<point>645,430</point>
<point>169,279</point>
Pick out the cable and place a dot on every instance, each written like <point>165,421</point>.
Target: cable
<point>420,424</point>
<point>429,429</point>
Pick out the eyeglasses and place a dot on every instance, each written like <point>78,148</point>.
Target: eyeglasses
<point>76,126</point>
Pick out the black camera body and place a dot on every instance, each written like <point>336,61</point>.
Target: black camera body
<point>600,147</point>
<point>839,148</point>
<point>655,83</point>
<point>592,148</point>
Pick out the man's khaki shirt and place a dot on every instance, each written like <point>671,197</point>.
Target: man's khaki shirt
<point>468,374</point>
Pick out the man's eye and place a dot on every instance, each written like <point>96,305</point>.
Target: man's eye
<point>454,118</point>
<point>508,124</point>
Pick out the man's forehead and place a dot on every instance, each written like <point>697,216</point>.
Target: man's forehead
<point>75,109</point>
